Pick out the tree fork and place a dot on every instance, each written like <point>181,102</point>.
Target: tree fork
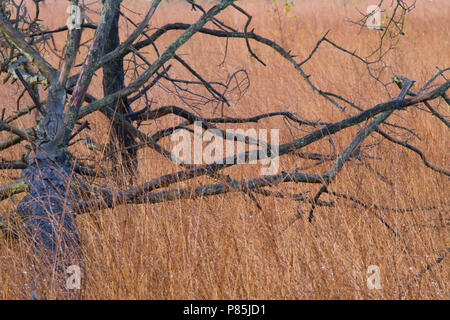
<point>49,205</point>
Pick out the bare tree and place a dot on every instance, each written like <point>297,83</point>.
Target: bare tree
<point>53,178</point>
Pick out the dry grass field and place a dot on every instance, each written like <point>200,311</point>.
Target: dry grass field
<point>224,247</point>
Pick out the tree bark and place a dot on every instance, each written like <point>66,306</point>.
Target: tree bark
<point>48,207</point>
<point>122,143</point>
<point>51,219</point>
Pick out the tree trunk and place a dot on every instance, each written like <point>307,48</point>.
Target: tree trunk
<point>48,206</point>
<point>122,143</point>
<point>50,219</point>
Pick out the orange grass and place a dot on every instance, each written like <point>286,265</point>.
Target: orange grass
<point>223,247</point>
